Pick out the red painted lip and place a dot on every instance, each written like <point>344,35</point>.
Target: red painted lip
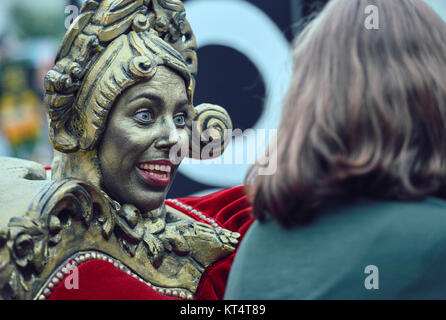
<point>157,181</point>
<point>153,180</point>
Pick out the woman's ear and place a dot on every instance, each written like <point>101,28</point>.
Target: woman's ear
<point>210,133</point>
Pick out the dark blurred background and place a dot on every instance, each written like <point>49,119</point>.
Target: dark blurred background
<point>244,66</point>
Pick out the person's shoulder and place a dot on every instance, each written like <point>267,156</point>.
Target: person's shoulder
<point>427,211</point>
<point>403,239</point>
<point>356,224</point>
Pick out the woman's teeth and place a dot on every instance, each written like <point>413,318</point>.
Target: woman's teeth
<point>162,171</point>
<point>161,176</point>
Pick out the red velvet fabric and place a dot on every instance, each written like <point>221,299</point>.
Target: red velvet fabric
<point>100,280</point>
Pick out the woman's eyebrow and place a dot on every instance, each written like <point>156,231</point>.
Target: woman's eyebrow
<point>183,104</point>
<point>148,96</point>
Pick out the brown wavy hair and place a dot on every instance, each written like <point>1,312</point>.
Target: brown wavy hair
<point>365,114</point>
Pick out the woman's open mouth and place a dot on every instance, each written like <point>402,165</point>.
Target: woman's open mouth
<point>156,172</point>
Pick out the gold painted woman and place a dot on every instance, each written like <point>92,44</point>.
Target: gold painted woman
<point>119,99</point>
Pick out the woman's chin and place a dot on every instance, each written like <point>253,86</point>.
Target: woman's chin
<point>145,198</point>
<point>153,201</point>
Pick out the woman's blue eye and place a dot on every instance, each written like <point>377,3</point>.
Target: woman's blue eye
<point>180,120</point>
<point>144,116</point>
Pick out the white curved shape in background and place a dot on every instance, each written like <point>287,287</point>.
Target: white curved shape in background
<point>244,27</point>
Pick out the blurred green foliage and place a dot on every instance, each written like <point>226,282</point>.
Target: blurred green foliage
<point>29,23</point>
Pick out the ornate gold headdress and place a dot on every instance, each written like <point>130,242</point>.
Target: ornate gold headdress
<point>112,45</point>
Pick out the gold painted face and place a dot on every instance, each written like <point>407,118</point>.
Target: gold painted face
<point>146,122</point>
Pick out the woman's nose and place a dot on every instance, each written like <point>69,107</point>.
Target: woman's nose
<point>169,136</point>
